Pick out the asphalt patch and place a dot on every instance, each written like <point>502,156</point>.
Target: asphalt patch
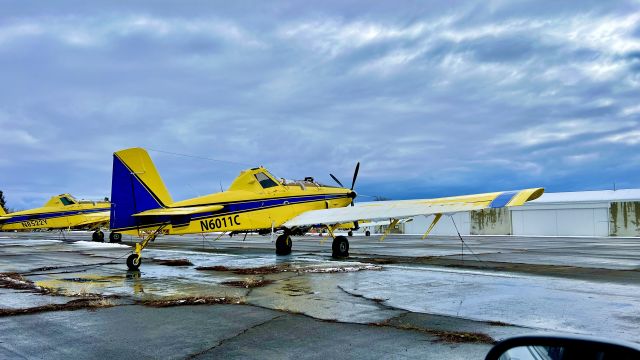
<point>445,336</point>
<point>248,283</point>
<point>192,300</point>
<point>173,262</point>
<point>276,269</point>
<point>77,304</point>
<point>18,282</point>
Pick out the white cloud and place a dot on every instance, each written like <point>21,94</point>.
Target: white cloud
<point>580,159</point>
<point>18,31</point>
<point>561,131</point>
<point>100,30</point>
<point>627,138</point>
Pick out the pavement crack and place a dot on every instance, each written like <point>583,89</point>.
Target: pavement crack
<point>377,301</point>
<point>225,340</point>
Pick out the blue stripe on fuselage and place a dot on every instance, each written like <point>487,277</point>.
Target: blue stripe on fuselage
<point>502,199</point>
<point>27,217</point>
<point>238,207</point>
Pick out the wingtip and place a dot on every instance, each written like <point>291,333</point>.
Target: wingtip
<point>526,195</point>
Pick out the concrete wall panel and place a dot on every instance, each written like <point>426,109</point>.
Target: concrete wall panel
<point>491,222</point>
<point>534,222</point>
<point>625,218</point>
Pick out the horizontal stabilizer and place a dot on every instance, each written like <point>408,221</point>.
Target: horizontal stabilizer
<point>178,211</point>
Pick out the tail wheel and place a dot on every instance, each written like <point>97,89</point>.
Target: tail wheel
<point>115,237</point>
<point>283,244</point>
<point>367,233</point>
<point>98,236</point>
<point>340,247</point>
<point>133,262</point>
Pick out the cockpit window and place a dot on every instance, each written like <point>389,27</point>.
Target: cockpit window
<point>66,201</point>
<point>265,181</point>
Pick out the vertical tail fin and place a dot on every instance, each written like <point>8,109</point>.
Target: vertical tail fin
<point>136,186</point>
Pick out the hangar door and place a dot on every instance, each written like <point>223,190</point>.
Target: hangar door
<point>561,222</point>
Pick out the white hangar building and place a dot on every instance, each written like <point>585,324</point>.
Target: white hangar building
<point>585,213</point>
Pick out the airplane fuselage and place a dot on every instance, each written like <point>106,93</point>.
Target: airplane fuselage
<point>56,216</point>
<point>247,211</point>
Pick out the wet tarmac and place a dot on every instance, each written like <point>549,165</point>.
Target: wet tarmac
<point>403,297</point>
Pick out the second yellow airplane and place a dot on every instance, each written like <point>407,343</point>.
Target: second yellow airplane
<point>62,212</point>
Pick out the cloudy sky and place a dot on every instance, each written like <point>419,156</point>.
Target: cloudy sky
<point>434,98</point>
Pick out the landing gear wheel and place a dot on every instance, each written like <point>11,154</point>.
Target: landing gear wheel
<point>283,244</point>
<point>133,262</point>
<point>98,236</point>
<point>115,237</point>
<point>367,233</point>
<point>340,247</point>
<point>350,233</point>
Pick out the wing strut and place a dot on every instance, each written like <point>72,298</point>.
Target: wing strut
<point>393,224</point>
<point>433,224</point>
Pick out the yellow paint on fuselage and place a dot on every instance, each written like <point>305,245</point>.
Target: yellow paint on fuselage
<point>60,212</point>
<point>262,194</point>
<point>246,189</point>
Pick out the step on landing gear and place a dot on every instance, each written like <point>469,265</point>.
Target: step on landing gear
<point>98,236</point>
<point>283,244</point>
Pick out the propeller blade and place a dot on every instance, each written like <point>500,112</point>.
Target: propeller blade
<point>336,180</point>
<point>355,175</point>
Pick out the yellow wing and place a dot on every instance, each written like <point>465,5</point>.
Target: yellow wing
<point>400,209</point>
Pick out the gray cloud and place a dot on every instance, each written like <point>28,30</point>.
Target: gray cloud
<point>433,98</point>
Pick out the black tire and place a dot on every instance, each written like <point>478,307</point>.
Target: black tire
<point>115,237</point>
<point>133,262</point>
<point>98,236</point>
<point>283,244</point>
<point>367,233</point>
<point>350,233</point>
<point>340,247</point>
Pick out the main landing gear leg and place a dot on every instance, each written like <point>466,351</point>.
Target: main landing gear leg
<point>135,260</point>
<point>283,244</point>
<point>340,246</point>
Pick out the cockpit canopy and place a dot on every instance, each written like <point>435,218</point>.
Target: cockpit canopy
<point>258,179</point>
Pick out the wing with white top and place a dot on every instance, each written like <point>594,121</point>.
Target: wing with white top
<point>379,210</point>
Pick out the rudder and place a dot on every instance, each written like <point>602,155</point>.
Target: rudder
<point>136,186</point>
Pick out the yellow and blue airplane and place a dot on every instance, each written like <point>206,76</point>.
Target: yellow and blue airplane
<point>258,201</point>
<point>61,212</point>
